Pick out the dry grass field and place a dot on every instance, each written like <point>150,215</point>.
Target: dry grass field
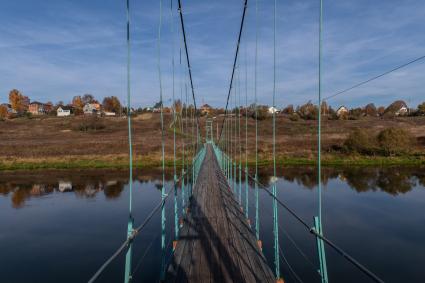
<point>80,140</point>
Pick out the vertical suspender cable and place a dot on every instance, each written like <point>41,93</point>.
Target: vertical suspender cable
<point>239,137</point>
<point>257,216</point>
<point>176,213</point>
<point>275,216</point>
<point>318,219</point>
<point>182,127</point>
<point>128,257</point>
<point>163,194</point>
<point>246,135</point>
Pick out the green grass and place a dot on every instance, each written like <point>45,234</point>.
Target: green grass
<point>328,160</point>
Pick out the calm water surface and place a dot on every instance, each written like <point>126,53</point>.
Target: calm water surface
<point>59,226</point>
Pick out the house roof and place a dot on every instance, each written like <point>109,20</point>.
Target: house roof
<point>206,106</point>
<point>65,107</point>
<point>36,102</point>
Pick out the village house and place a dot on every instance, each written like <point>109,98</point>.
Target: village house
<point>91,108</point>
<point>273,110</point>
<point>64,186</point>
<point>9,108</point>
<point>63,111</point>
<point>109,114</point>
<point>342,112</point>
<point>403,110</point>
<point>36,108</point>
<point>206,109</point>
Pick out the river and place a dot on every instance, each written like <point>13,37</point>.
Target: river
<point>61,225</point>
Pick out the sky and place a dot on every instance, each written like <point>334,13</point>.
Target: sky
<point>52,50</point>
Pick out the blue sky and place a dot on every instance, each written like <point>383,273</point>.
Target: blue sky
<point>55,49</point>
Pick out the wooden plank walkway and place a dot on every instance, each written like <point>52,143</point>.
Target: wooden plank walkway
<point>216,244</point>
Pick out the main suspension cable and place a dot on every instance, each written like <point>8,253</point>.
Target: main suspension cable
<point>375,77</point>
<point>234,63</point>
<point>188,66</point>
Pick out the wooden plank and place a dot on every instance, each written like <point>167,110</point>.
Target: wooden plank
<point>217,245</point>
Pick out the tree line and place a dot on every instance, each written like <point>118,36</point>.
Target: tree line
<point>19,105</point>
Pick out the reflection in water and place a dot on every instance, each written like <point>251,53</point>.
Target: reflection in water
<point>84,232</point>
<point>87,184</point>
<point>392,180</point>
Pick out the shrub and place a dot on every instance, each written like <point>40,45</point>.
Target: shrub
<point>28,115</point>
<point>294,117</point>
<point>395,141</point>
<point>262,113</point>
<point>360,141</point>
<point>308,111</point>
<point>93,123</point>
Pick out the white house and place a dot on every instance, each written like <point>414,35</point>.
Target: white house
<point>91,108</point>
<point>273,110</point>
<point>63,111</point>
<point>65,186</point>
<point>341,111</point>
<point>109,114</point>
<point>402,111</point>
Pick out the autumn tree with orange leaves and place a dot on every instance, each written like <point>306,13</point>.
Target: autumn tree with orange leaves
<point>3,112</point>
<point>18,102</point>
<point>111,104</point>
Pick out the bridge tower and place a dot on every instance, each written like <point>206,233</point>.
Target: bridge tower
<point>209,131</point>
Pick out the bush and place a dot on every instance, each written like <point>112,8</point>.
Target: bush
<point>93,123</point>
<point>360,141</point>
<point>395,141</point>
<point>294,117</point>
<point>28,115</point>
<point>262,113</point>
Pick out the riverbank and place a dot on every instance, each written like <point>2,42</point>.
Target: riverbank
<point>97,162</point>
<point>63,143</point>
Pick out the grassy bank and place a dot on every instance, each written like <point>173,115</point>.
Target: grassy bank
<point>122,163</point>
<point>60,143</point>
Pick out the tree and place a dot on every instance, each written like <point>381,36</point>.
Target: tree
<point>307,111</point>
<point>395,141</point>
<point>111,104</point>
<point>18,101</point>
<point>288,109</point>
<point>394,108</point>
<point>325,108</point>
<point>88,98</point>
<point>157,105</point>
<point>360,141</point>
<point>262,112</point>
<point>77,102</point>
<point>421,108</point>
<point>370,110</point>
<point>177,105</point>
<point>3,112</point>
<point>355,113</point>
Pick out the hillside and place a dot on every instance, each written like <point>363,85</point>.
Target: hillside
<point>84,142</point>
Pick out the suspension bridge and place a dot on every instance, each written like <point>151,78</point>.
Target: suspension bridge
<point>215,238</point>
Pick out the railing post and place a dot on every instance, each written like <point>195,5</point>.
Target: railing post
<point>321,251</point>
<point>176,210</point>
<point>275,230</point>
<point>235,179</point>
<point>246,193</point>
<point>257,213</point>
<point>183,192</point>
<point>240,183</point>
<point>128,256</point>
